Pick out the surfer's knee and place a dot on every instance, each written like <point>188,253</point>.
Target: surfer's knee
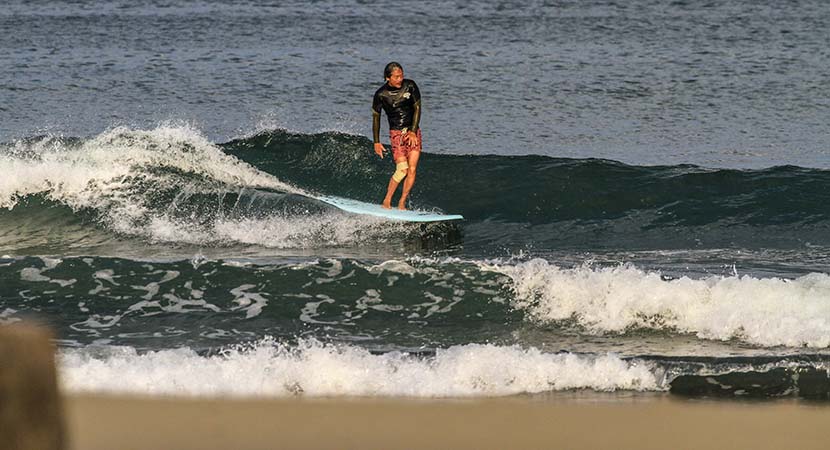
<point>410,172</point>
<point>400,171</point>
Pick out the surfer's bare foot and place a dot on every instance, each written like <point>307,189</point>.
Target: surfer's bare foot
<point>402,207</point>
<point>387,204</point>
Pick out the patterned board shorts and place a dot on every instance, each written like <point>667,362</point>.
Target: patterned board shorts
<point>400,150</point>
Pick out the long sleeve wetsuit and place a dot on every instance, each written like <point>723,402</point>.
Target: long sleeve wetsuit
<point>402,107</point>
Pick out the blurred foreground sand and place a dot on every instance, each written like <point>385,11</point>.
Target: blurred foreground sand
<point>35,415</point>
<point>656,422</point>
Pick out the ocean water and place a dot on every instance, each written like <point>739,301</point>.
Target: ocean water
<point>645,185</point>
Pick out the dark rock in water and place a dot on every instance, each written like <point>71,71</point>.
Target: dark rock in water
<point>803,382</point>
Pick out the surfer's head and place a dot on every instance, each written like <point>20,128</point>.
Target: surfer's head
<point>393,72</point>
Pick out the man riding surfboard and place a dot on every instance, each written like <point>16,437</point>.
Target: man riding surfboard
<point>401,100</point>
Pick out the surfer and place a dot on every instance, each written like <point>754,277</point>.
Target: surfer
<point>401,100</point>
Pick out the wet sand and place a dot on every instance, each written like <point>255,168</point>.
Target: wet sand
<point>649,422</point>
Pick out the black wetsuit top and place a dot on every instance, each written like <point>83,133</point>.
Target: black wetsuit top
<point>402,106</point>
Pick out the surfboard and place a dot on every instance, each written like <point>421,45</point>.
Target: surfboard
<point>358,207</point>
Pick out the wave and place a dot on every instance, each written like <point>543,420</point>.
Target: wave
<point>171,185</point>
<point>89,173</point>
<point>168,184</point>
<point>762,311</point>
<point>569,202</point>
<point>315,369</point>
<point>389,303</point>
<point>270,368</point>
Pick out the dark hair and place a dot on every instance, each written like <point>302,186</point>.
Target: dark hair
<point>387,72</point>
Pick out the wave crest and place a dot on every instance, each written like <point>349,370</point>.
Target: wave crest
<point>315,369</point>
<point>762,311</point>
<point>104,169</point>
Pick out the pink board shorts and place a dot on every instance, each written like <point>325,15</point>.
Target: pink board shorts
<point>399,149</point>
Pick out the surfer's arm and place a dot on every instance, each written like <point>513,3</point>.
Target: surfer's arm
<point>376,126</point>
<point>376,132</point>
<point>416,117</point>
<point>412,134</point>
<point>416,113</point>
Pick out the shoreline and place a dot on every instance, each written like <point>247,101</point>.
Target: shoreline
<point>105,421</point>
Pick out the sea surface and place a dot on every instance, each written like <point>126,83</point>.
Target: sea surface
<point>645,186</point>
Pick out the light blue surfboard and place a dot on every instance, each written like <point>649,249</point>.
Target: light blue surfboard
<point>357,207</point>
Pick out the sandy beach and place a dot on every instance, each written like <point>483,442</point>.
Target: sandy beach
<point>650,422</point>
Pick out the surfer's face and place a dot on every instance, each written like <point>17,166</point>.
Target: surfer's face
<point>395,79</point>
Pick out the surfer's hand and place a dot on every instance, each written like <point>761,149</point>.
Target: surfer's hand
<point>379,149</point>
<point>411,138</point>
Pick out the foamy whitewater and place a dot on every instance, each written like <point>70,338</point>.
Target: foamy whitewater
<point>641,215</point>
<point>540,305</point>
<point>767,312</point>
<point>123,175</point>
<point>314,369</point>
<point>79,177</point>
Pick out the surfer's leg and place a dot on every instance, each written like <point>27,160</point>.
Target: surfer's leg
<point>387,201</point>
<point>394,181</point>
<point>410,177</point>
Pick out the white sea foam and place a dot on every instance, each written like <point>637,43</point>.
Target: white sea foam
<point>332,229</point>
<point>7,316</point>
<point>762,311</point>
<point>314,369</point>
<point>303,232</point>
<point>117,173</point>
<point>36,275</point>
<point>85,176</point>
